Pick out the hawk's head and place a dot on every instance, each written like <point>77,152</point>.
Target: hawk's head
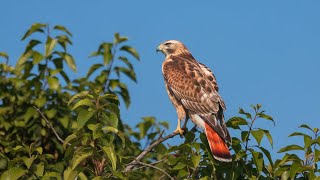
<point>172,47</point>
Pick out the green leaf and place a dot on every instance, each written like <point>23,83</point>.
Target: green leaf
<point>107,54</point>
<point>258,160</point>
<point>248,115</point>
<point>70,62</point>
<point>234,122</point>
<point>68,139</point>
<point>23,58</point>
<point>290,148</point>
<point>307,141</point>
<point>160,149</point>
<point>37,27</point>
<point>40,102</point>
<point>258,135</point>
<point>119,39</point>
<point>79,157</point>
<point>111,155</point>
<point>62,28</point>
<point>267,133</point>
<point>182,173</point>
<point>297,134</point>
<point>265,116</point>
<point>84,116</point>
<point>39,169</point>
<point>70,174</point>
<point>179,166</point>
<point>131,51</point>
<point>93,68</point>
<point>126,61</point>
<point>111,119</point>
<point>5,55</point>
<point>79,95</point>
<point>53,83</point>
<point>50,44</point>
<point>245,136</point>
<point>13,173</point>
<point>37,57</point>
<point>96,130</point>
<point>128,72</point>
<point>195,160</point>
<point>110,129</point>
<point>28,161</point>
<point>306,127</point>
<point>267,153</point>
<point>83,102</point>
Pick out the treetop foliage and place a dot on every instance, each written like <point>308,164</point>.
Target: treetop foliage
<point>55,127</point>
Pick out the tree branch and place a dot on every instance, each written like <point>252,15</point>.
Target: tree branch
<point>131,165</point>
<point>155,167</point>
<point>48,123</point>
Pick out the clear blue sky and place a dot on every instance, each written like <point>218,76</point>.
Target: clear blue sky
<point>264,52</point>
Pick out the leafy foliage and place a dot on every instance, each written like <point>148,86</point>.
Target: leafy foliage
<point>40,103</point>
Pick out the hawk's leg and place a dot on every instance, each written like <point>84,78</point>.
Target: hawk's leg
<point>185,123</point>
<point>179,128</point>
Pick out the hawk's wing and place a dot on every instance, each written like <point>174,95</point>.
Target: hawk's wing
<point>194,85</point>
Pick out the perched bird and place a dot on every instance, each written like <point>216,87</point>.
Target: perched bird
<point>193,90</point>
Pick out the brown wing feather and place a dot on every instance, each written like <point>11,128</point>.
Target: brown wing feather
<point>194,85</point>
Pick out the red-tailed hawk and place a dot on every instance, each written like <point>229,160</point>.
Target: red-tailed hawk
<point>193,90</point>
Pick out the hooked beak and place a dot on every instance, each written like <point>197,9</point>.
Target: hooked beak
<point>159,48</point>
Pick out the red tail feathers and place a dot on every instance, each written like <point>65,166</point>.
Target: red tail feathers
<point>218,146</point>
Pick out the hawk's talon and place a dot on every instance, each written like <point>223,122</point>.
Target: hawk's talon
<point>181,131</point>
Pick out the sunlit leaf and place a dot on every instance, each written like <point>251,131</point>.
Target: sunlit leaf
<point>79,157</point>
<point>266,153</point>
<point>79,95</point>
<point>96,130</point>
<point>119,39</point>
<point>70,174</point>
<point>93,68</point>
<point>13,173</point>
<point>248,115</point>
<point>290,148</point>
<point>131,51</point>
<point>39,169</point>
<point>53,83</point>
<point>258,135</point>
<point>5,55</point>
<point>62,28</point>
<point>68,139</point>
<point>111,155</point>
<point>179,166</point>
<point>265,116</point>
<point>258,160</point>
<point>50,45</point>
<point>83,102</point>
<point>84,116</point>
<point>234,122</point>
<point>268,135</point>
<point>37,27</point>
<point>195,160</point>
<point>305,126</point>
<point>28,161</point>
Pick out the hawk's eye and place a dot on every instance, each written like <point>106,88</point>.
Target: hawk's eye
<point>167,44</point>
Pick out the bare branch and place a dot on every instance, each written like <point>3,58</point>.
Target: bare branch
<point>131,165</point>
<point>48,123</point>
<point>155,167</point>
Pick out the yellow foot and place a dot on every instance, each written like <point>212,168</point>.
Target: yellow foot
<point>181,131</point>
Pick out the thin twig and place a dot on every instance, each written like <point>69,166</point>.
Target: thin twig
<point>131,165</point>
<point>155,167</point>
<point>51,127</point>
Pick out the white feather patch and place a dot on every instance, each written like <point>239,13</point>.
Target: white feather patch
<point>197,120</point>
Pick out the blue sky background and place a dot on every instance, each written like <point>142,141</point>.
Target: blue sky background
<point>264,52</point>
